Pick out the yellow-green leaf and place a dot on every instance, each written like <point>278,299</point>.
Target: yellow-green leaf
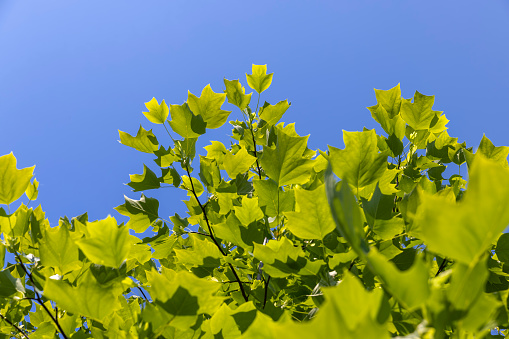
<point>259,80</point>
<point>237,163</point>
<point>157,113</point>
<point>312,218</point>
<point>32,191</point>
<point>106,243</point>
<point>13,181</point>
<point>144,141</point>
<point>208,106</point>
<point>236,93</point>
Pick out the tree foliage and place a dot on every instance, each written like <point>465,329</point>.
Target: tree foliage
<point>368,241</point>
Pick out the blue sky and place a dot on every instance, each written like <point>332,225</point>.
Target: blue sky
<point>74,72</point>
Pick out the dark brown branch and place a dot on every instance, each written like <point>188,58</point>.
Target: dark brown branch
<point>38,296</point>
<point>14,325</point>
<point>441,268</point>
<point>212,234</point>
<point>266,291</point>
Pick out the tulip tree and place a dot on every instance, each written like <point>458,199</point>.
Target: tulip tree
<point>375,240</point>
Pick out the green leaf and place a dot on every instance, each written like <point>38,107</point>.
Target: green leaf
<point>286,163</point>
<point>349,312</point>
<point>13,182</point>
<point>165,158</point>
<point>272,199</point>
<point>359,163</point>
<point>410,287</point>
<point>185,123</point>
<point>249,211</point>
<point>240,162</point>
<point>418,114</point>
<point>209,173</point>
<point>183,295</point>
<point>498,154</point>
<point>32,190</point>
<point>467,283</point>
<point>463,231</point>
<point>106,243</point>
<point>380,216</point>
<point>346,213</point>
<point>196,186</point>
<point>156,113</point>
<point>58,250</point>
<point>208,106</point>
<point>281,259</point>
<point>389,100</point>
<point>144,141</point>
<point>502,249</point>
<point>236,94</point>
<point>312,218</point>
<point>89,298</point>
<point>142,213</point>
<point>233,231</point>
<point>259,80</point>
<point>146,181</point>
<point>230,323</point>
<point>203,253</point>
<point>273,113</point>
<point>9,285</point>
<point>171,176</point>
<point>216,151</point>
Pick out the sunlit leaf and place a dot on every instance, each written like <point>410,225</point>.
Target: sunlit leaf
<point>312,218</point>
<point>236,93</point>
<point>259,80</point>
<point>107,243</point>
<point>144,141</point>
<point>157,113</point>
<point>13,182</point>
<point>208,106</point>
<point>185,123</point>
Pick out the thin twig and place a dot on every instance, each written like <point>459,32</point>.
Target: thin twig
<point>144,296</point>
<point>23,333</point>
<point>441,268</point>
<point>38,296</point>
<point>212,234</point>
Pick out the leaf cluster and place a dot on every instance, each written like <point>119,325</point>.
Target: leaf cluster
<point>379,239</point>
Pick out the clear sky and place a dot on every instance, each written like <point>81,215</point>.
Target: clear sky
<point>74,72</point>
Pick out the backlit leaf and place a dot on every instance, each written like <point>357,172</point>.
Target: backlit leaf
<point>359,163</point>
<point>312,218</point>
<point>144,141</point>
<point>286,163</point>
<point>208,106</point>
<point>107,243</point>
<point>89,298</point>
<point>13,181</point>
<point>273,113</point>
<point>58,250</point>
<point>185,123</point>
<point>236,94</point>
<point>146,181</point>
<point>237,163</point>
<point>463,231</point>
<point>259,80</point>
<point>142,213</point>
<point>157,113</point>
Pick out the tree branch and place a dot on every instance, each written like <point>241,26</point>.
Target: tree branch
<point>23,333</point>
<point>212,235</point>
<point>38,296</point>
